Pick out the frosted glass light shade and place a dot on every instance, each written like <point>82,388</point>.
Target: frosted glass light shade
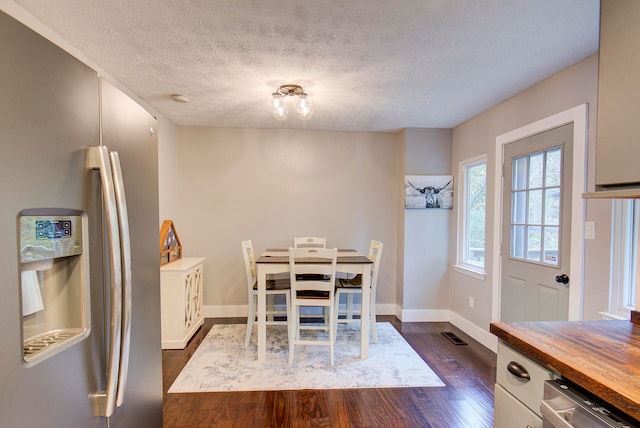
<point>278,107</point>
<point>303,107</point>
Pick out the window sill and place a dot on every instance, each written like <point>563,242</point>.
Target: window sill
<point>475,273</point>
<point>612,316</point>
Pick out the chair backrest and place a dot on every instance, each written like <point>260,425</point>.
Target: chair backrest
<point>309,241</point>
<point>375,252</point>
<point>249,263</point>
<point>319,262</point>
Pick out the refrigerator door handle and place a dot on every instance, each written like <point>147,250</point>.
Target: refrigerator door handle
<point>104,401</point>
<point>125,245</point>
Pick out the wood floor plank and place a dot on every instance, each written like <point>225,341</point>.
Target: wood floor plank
<point>468,372</point>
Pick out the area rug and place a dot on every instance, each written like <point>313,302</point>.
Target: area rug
<point>222,363</point>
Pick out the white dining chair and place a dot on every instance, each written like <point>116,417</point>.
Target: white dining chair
<point>279,286</point>
<point>312,242</point>
<point>352,286</point>
<point>309,241</point>
<point>312,293</point>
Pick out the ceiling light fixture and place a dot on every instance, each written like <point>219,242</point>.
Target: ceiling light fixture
<point>302,105</point>
<point>180,98</point>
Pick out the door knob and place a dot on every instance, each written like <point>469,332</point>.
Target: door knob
<point>562,279</point>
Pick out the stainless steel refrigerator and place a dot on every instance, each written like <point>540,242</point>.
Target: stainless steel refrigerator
<point>79,296</point>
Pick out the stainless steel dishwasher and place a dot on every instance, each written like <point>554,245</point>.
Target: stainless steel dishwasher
<point>565,405</point>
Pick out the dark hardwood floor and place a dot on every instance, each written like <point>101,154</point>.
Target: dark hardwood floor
<point>469,372</point>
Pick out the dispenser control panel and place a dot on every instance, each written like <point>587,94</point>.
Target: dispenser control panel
<point>48,237</point>
<point>53,229</point>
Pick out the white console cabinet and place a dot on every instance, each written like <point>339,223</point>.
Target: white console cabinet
<point>181,284</point>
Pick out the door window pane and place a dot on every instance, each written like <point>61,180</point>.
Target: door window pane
<point>552,173</point>
<point>536,170</point>
<point>552,206</point>
<point>519,208</point>
<point>551,245</point>
<point>535,206</point>
<point>518,241</point>
<point>534,243</point>
<point>519,173</point>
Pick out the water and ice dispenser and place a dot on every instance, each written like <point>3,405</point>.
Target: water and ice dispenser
<point>54,281</point>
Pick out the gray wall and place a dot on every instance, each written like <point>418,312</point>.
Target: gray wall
<point>572,87</point>
<point>167,168</point>
<point>425,232</point>
<point>269,185</point>
<point>272,185</point>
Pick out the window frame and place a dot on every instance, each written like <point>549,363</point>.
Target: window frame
<point>625,224</point>
<point>463,264</point>
<point>524,221</point>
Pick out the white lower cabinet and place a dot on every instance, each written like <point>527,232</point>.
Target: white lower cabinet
<point>511,413</point>
<point>519,389</point>
<point>182,284</point>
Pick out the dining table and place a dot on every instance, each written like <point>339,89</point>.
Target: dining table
<point>350,261</point>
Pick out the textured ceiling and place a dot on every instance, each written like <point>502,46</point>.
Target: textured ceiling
<point>367,65</point>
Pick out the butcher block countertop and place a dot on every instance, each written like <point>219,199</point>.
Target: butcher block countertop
<point>603,357</point>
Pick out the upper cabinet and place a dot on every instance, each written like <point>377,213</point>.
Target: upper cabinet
<point>618,140</point>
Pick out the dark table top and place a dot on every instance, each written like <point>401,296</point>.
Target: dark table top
<point>281,255</point>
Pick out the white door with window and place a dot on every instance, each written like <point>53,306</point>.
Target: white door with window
<point>536,227</point>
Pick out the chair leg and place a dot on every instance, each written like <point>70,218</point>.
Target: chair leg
<point>332,332</point>
<point>270,298</point>
<point>372,314</point>
<point>298,323</point>
<point>293,331</point>
<point>251,316</point>
<point>349,306</point>
<point>287,302</point>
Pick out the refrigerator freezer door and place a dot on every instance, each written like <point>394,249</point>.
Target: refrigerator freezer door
<point>49,116</point>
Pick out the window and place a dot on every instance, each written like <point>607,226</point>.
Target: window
<point>472,201</point>
<point>624,255</point>
<point>535,207</point>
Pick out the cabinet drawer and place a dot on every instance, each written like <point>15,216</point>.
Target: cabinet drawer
<point>510,413</point>
<point>528,391</point>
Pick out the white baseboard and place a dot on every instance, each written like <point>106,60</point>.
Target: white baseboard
<point>225,311</point>
<point>386,309</point>
<point>422,315</point>
<point>443,315</point>
<point>486,338</point>
<point>419,315</point>
<point>241,310</point>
